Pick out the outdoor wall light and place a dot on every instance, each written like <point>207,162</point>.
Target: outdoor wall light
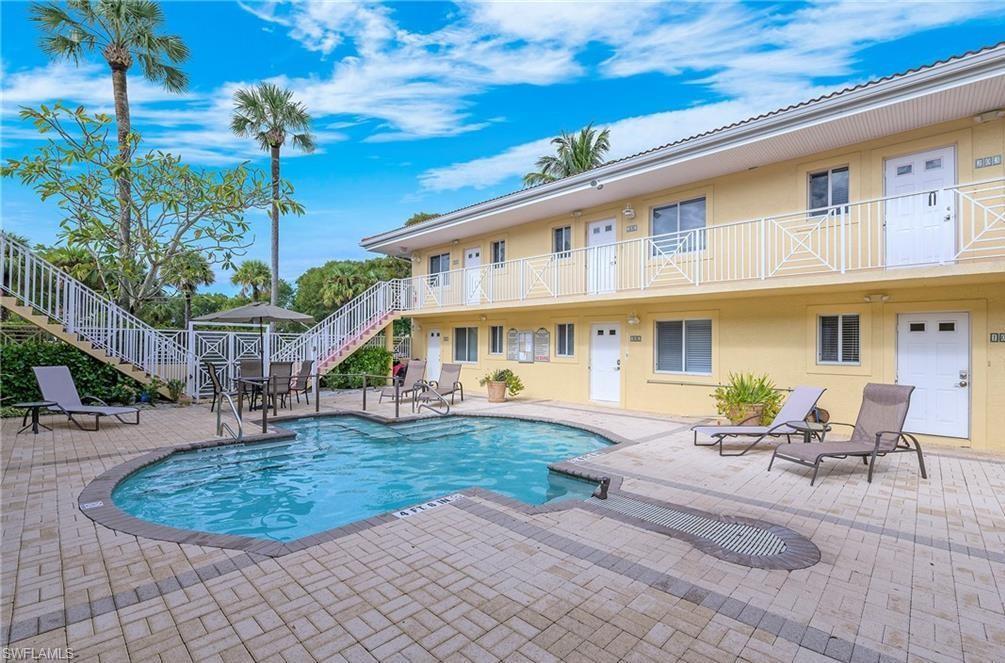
<point>482,318</point>
<point>633,320</point>
<point>989,116</point>
<point>596,185</point>
<point>628,212</point>
<point>877,299</point>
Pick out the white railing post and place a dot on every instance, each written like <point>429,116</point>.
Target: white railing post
<point>762,264</point>
<point>643,246</point>
<point>842,253</point>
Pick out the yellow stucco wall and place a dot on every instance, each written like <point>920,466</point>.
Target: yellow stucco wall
<point>769,333</point>
<point>767,190</point>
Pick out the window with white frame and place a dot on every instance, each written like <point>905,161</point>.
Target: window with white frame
<point>828,189</point>
<point>678,226</point>
<point>838,339</point>
<point>561,241</point>
<point>684,346</point>
<point>496,338</point>
<point>466,344</point>
<point>439,268</point>
<point>498,251</point>
<point>565,340</point>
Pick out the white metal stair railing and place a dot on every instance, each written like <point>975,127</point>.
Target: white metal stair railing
<point>347,326</point>
<point>49,291</point>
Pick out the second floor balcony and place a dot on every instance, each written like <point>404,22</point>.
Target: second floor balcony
<point>946,226</point>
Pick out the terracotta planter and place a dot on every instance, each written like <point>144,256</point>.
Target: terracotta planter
<point>497,392</point>
<point>747,414</point>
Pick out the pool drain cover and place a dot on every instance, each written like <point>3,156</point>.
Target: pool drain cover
<point>738,540</point>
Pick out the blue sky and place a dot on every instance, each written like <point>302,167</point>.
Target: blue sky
<point>427,106</point>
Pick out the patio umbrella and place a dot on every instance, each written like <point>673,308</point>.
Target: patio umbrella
<point>259,312</point>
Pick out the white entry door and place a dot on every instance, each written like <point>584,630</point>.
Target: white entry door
<point>433,353</point>
<point>605,362</point>
<point>601,256</point>
<point>921,228</point>
<point>933,354</point>
<point>472,275</point>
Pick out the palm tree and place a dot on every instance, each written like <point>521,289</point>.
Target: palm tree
<point>76,262</point>
<point>187,272</point>
<point>123,31</point>
<point>344,281</point>
<point>574,153</point>
<point>268,114</point>
<point>253,276</point>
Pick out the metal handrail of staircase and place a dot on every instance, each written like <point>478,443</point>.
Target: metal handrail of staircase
<point>49,291</point>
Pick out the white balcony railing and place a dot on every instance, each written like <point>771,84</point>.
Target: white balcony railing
<point>950,225</point>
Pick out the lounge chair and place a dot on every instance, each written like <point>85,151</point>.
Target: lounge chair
<point>414,374</point>
<point>56,384</point>
<point>449,384</point>
<point>877,431</point>
<point>797,407</point>
<point>298,385</point>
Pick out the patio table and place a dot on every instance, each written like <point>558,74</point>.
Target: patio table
<point>809,429</point>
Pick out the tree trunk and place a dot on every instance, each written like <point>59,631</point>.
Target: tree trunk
<point>123,126</point>
<point>275,225</point>
<point>188,308</point>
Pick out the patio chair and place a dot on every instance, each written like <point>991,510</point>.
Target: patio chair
<point>56,384</point>
<point>280,377</point>
<point>298,385</point>
<point>214,379</point>
<point>877,432</point>
<point>449,384</point>
<point>797,407</point>
<point>251,368</point>
<point>414,374</point>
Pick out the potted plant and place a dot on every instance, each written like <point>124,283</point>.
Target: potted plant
<point>500,382</point>
<point>748,399</point>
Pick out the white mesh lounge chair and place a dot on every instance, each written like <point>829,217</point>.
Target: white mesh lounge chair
<point>56,384</point>
<point>797,407</point>
<point>877,431</point>
<point>414,374</point>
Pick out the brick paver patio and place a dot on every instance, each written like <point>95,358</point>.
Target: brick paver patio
<point>909,569</point>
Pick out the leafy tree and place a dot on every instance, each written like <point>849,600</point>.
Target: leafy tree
<point>268,114</point>
<point>322,290</point>
<point>419,217</point>
<point>124,32</point>
<point>76,262</point>
<point>574,153</point>
<point>253,276</point>
<point>177,209</point>
<point>186,273</point>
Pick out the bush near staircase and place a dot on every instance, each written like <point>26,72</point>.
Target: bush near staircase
<point>17,380</point>
<point>370,360</point>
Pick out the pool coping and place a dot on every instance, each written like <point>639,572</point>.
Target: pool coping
<point>95,500</point>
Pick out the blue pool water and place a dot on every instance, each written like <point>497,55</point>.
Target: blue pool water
<point>343,469</point>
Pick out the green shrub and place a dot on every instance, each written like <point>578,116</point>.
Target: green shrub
<point>92,377</point>
<point>371,360</point>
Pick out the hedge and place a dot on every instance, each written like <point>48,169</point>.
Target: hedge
<point>92,377</point>
<point>371,360</point>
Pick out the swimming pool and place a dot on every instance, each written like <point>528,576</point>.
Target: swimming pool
<point>342,469</point>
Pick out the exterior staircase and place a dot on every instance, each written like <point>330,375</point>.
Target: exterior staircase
<point>54,301</point>
<point>346,330</point>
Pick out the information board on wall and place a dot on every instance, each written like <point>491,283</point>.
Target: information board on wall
<point>542,345</point>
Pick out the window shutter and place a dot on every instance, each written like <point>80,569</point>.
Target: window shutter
<point>698,346</point>
<point>828,338</point>
<point>670,346</point>
<point>849,338</point>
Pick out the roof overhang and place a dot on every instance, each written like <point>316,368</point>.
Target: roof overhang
<point>956,89</point>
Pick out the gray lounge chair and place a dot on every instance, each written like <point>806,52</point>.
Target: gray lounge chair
<point>414,374</point>
<point>877,431</point>
<point>298,385</point>
<point>449,384</point>
<point>797,407</point>
<point>56,384</point>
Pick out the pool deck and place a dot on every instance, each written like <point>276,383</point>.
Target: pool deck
<point>909,569</point>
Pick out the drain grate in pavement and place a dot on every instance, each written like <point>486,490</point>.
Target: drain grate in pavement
<point>736,537</point>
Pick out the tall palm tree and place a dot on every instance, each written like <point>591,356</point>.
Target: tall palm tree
<point>268,114</point>
<point>574,153</point>
<point>344,280</point>
<point>253,276</point>
<point>124,32</point>
<point>187,272</point>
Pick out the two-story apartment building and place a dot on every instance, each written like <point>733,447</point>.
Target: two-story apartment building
<point>857,237</point>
